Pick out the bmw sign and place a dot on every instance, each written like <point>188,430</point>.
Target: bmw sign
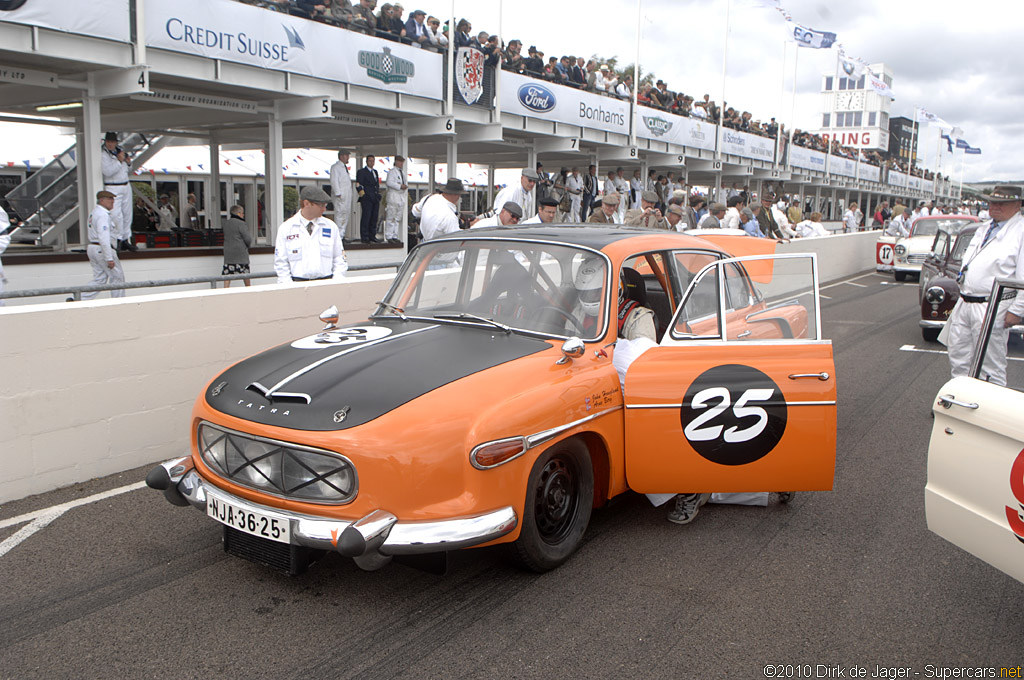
<point>536,97</point>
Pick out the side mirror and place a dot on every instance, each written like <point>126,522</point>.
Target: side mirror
<point>573,348</point>
<point>330,317</point>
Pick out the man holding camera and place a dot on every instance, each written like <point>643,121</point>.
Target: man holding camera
<point>647,215</point>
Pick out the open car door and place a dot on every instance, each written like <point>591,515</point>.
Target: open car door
<point>975,492</point>
<point>741,393</point>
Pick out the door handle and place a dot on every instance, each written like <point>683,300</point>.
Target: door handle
<point>743,334</point>
<point>947,400</point>
<point>820,376</point>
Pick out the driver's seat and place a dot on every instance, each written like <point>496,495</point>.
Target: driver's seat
<point>508,295</point>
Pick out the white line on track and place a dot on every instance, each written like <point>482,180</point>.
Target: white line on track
<point>32,527</point>
<point>64,507</point>
<point>911,348</point>
<point>893,283</point>
<point>851,283</point>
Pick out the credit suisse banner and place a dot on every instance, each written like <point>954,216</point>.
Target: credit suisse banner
<point>897,179</point>
<point>799,157</point>
<point>871,173</point>
<point>844,167</point>
<point>673,129</point>
<point>98,18</point>
<point>746,145</point>
<point>534,98</point>
<point>232,31</point>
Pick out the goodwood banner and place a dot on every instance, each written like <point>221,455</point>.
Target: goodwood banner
<point>98,18</point>
<point>232,31</point>
<point>746,145</point>
<point>668,127</point>
<point>534,98</point>
<point>799,157</point>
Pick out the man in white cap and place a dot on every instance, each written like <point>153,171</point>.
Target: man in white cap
<point>520,193</point>
<point>395,201</point>
<point>341,188</point>
<point>115,167</point>
<point>996,251</point>
<point>308,246</point>
<point>106,267</point>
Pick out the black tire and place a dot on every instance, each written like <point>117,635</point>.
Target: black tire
<point>559,498</point>
<point>930,334</point>
<point>901,276</point>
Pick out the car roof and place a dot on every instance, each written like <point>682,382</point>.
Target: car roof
<point>572,234</point>
<point>969,218</point>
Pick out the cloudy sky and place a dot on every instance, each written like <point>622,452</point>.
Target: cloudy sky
<point>959,60</point>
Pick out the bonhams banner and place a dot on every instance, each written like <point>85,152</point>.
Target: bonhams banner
<point>673,129</point>
<point>799,157</point>
<point>746,145</point>
<point>232,31</point>
<point>98,18</point>
<point>534,98</point>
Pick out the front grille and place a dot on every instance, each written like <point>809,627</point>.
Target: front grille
<point>917,259</point>
<point>292,559</point>
<point>278,468</point>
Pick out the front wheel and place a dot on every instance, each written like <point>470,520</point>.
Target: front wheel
<point>901,276</point>
<point>559,498</point>
<point>930,334</point>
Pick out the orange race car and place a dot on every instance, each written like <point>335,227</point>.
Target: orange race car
<point>479,404</point>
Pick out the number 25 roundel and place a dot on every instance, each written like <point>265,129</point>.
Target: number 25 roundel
<point>733,414</point>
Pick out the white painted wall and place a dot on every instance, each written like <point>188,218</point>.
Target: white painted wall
<point>95,388</point>
<point>99,387</point>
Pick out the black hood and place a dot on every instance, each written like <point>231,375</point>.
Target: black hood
<point>379,366</point>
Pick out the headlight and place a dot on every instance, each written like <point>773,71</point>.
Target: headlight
<point>901,250</point>
<point>935,295</point>
<point>278,468</point>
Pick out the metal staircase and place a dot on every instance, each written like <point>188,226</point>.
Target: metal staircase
<point>47,201</point>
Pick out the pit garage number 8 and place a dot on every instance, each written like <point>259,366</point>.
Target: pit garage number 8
<point>696,431</point>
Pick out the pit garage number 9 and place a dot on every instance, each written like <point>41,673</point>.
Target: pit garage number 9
<point>733,414</point>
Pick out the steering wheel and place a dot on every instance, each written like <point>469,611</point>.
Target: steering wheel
<point>564,314</point>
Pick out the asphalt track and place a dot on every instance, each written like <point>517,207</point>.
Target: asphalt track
<point>130,587</point>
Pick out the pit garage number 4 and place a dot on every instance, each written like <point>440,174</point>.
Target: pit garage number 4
<point>746,404</point>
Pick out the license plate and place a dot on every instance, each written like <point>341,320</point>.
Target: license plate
<point>255,523</point>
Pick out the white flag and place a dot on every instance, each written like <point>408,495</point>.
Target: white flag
<point>879,86</point>
<point>924,116</point>
<point>852,66</point>
<point>808,37</point>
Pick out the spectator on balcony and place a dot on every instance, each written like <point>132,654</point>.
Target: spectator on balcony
<point>396,26</point>
<point>533,64</point>
<point>513,60</point>
<point>362,18</point>
<point>312,9</point>
<point>562,68</point>
<point>624,90</point>
<point>462,36</point>
<point>661,96</point>
<point>576,74</point>
<point>492,50</point>
<point>601,79</point>
<point>416,28</point>
<point>643,97</point>
<point>590,75</point>
<point>435,38</point>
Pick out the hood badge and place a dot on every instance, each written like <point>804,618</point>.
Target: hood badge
<point>340,416</point>
<point>218,388</point>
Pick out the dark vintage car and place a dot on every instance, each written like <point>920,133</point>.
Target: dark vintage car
<point>937,289</point>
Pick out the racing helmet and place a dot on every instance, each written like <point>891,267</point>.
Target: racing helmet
<point>589,283</point>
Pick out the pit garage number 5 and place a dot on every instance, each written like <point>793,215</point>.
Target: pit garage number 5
<point>733,414</point>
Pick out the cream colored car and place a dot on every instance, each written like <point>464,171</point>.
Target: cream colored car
<point>911,252</point>
<point>974,497</point>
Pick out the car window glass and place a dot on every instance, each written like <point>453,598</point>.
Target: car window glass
<point>940,245</point>
<point>781,305</point>
<point>1000,340</point>
<point>962,241</point>
<point>699,316</point>
<point>526,285</point>
<point>686,265</point>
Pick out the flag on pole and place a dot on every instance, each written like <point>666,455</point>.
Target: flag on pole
<point>879,86</point>
<point>949,141</point>
<point>924,116</point>
<point>852,66</point>
<point>972,150</point>
<point>808,37</point>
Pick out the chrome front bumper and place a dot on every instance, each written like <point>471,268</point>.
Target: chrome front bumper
<point>907,268</point>
<point>929,323</point>
<point>377,534</point>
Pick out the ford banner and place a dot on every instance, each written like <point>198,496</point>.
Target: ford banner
<point>534,98</point>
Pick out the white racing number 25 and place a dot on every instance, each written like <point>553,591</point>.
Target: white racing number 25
<point>699,429</point>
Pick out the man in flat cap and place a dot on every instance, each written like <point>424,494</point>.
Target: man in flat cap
<point>713,218</point>
<point>676,218</point>
<point>308,246</point>
<point>766,220</point>
<point>508,216</point>
<point>647,215</point>
<point>520,193</point>
<point>102,250</point>
<point>996,251</point>
<point>607,212</point>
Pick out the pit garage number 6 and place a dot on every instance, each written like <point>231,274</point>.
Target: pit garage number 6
<point>733,414</point>
<point>695,431</point>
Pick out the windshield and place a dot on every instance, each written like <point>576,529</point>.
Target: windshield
<point>546,288</point>
<point>924,227</point>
